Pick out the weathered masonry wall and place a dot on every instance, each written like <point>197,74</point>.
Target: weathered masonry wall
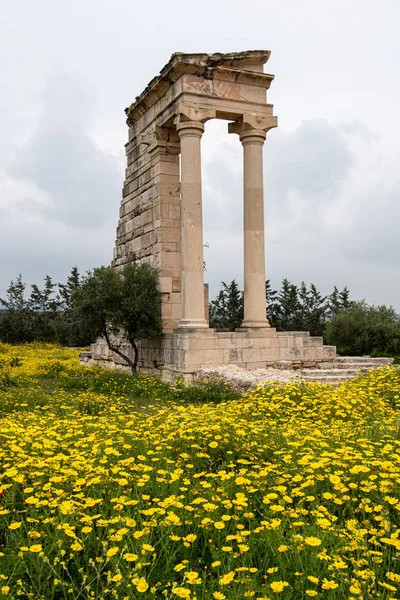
<point>185,353</point>
<point>149,224</point>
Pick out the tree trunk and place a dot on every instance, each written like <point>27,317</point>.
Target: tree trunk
<point>132,364</point>
<point>135,354</point>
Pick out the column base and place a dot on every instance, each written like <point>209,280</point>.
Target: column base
<point>193,324</point>
<point>255,324</point>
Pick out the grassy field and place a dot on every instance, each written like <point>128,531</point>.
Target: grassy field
<point>120,487</point>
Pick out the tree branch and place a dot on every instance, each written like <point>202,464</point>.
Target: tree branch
<point>121,354</point>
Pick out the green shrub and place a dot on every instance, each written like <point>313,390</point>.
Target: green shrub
<point>364,329</point>
<point>206,390</point>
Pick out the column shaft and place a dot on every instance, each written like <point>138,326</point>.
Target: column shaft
<point>193,315</point>
<point>254,247</point>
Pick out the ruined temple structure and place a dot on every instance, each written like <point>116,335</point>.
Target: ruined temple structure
<point>161,213</point>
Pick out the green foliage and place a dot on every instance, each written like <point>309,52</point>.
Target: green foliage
<point>15,325</point>
<point>226,311</point>
<point>45,316</point>
<point>206,390</point>
<point>70,330</point>
<point>122,306</point>
<point>363,329</point>
<point>288,307</point>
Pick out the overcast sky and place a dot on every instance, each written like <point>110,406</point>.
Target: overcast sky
<point>332,168</point>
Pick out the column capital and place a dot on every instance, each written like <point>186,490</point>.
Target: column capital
<point>190,128</point>
<point>252,128</point>
<point>193,113</point>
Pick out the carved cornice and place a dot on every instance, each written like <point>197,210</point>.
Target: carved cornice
<point>262,80</point>
<point>201,65</point>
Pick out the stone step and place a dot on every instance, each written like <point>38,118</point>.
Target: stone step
<point>327,379</point>
<point>343,369</point>
<point>316,373</point>
<point>364,359</point>
<point>361,366</point>
<point>294,333</point>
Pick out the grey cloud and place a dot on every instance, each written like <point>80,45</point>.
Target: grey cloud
<point>374,234</point>
<point>315,160</point>
<point>359,129</point>
<point>222,192</point>
<point>82,182</point>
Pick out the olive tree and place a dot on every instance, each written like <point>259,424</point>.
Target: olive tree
<point>120,304</point>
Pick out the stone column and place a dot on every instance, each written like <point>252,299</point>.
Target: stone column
<point>252,134</point>
<point>190,128</point>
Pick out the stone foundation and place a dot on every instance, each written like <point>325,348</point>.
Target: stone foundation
<point>186,352</point>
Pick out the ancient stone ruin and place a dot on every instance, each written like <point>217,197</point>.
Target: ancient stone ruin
<point>161,214</point>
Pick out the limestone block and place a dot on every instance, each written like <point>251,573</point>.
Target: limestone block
<point>213,357</point>
<point>174,211</point>
<point>294,333</point>
<point>312,353</point>
<point>289,354</point>
<point>167,341</point>
<point>176,298</point>
<point>165,168</point>
<point>252,93</point>
<point>262,343</point>
<point>176,284</point>
<point>134,245</point>
<point>241,343</point>
<point>198,85</point>
<point>148,240</point>
<point>170,235</point>
<point>314,341</point>
<point>176,311</point>
<point>170,247</point>
<point>182,342</point>
<point>166,188</point>
<point>166,284</point>
<point>205,344</point>
<point>328,352</point>
<point>270,354</point>
<point>168,355</point>
<point>162,222</point>
<point>234,355</point>
<point>275,342</point>
<point>223,343</point>
<point>225,335</point>
<point>166,310</point>
<point>171,259</point>
<point>156,212</point>
<point>195,357</point>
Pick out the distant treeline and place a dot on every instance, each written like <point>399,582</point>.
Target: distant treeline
<point>48,314</point>
<point>291,308</point>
